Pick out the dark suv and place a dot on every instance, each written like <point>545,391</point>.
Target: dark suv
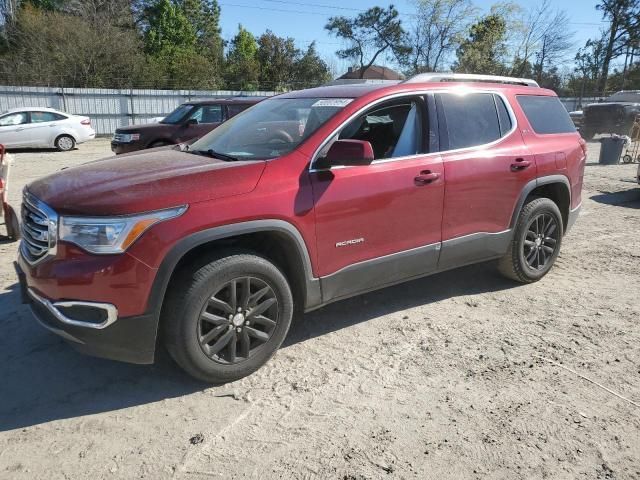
<point>615,115</point>
<point>188,121</point>
<point>304,199</point>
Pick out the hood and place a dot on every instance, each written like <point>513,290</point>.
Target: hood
<point>146,127</point>
<point>609,105</point>
<point>147,181</point>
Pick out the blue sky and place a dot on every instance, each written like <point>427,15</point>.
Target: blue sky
<point>305,20</point>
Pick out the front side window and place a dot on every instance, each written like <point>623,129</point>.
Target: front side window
<point>41,117</point>
<point>269,129</point>
<point>207,114</point>
<point>13,119</point>
<point>471,119</point>
<point>178,114</point>
<point>393,129</point>
<point>546,114</point>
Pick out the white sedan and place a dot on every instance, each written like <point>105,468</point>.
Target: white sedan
<point>34,127</point>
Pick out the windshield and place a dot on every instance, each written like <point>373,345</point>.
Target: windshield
<point>271,128</point>
<point>177,115</point>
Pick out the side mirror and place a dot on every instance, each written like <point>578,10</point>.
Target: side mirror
<point>191,121</point>
<point>349,152</point>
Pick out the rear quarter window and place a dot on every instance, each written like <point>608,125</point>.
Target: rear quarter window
<point>546,114</point>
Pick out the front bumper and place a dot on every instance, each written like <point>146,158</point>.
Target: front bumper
<point>91,327</point>
<point>118,148</point>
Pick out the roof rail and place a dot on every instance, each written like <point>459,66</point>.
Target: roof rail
<point>469,77</point>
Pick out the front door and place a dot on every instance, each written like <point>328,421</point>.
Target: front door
<point>13,129</point>
<point>206,118</point>
<point>379,224</point>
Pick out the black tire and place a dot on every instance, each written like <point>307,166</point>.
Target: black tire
<point>526,246</point>
<point>627,159</point>
<point>65,143</point>
<point>192,298</point>
<point>12,224</point>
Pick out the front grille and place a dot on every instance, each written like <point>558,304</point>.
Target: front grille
<point>39,229</point>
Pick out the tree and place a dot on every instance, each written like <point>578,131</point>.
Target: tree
<point>436,33</point>
<point>277,57</point>
<point>588,61</point>
<point>624,26</point>
<point>242,68</point>
<point>310,69</point>
<point>370,34</point>
<point>53,48</point>
<point>484,49</point>
<point>204,17</point>
<point>541,38</point>
<point>169,31</point>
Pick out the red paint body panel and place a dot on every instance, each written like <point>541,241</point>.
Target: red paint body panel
<point>380,204</point>
<point>76,275</point>
<point>481,189</point>
<point>149,181</point>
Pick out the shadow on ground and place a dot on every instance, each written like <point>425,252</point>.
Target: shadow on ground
<point>625,198</point>
<point>44,379</point>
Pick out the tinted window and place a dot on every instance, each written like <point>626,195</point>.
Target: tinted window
<point>13,119</point>
<point>40,117</point>
<point>503,115</point>
<point>546,114</point>
<point>471,119</point>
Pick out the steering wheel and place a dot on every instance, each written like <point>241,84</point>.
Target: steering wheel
<point>280,137</point>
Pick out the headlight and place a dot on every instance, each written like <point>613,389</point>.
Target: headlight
<point>126,137</point>
<point>106,235</point>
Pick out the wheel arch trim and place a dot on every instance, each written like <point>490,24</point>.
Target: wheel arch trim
<point>531,186</point>
<point>195,240</point>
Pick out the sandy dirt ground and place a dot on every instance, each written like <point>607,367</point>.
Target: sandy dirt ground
<point>460,375</point>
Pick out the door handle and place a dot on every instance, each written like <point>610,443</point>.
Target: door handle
<point>520,164</point>
<point>426,177</point>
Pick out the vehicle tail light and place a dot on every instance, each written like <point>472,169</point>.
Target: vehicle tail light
<point>86,121</point>
<point>1,185</point>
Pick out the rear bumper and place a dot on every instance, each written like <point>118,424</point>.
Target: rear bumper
<point>128,339</point>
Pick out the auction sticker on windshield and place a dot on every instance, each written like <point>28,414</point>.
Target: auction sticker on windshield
<point>333,102</point>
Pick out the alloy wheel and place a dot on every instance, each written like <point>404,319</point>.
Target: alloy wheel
<point>237,320</point>
<point>540,241</point>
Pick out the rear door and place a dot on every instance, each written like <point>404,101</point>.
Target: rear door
<point>487,166</point>
<point>42,128</point>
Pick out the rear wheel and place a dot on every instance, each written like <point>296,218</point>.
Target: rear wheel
<point>536,242</point>
<point>65,143</point>
<point>229,317</point>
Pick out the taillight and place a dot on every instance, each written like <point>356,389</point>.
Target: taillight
<point>1,185</point>
<point>86,121</point>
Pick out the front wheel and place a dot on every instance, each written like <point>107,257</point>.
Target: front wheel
<point>536,242</point>
<point>226,318</point>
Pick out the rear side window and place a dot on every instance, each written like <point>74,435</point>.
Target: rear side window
<point>41,117</point>
<point>471,119</point>
<point>546,114</point>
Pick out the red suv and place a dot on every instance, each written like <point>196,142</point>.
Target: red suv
<point>304,199</point>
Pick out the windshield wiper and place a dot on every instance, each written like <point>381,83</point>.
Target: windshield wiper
<point>213,154</point>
